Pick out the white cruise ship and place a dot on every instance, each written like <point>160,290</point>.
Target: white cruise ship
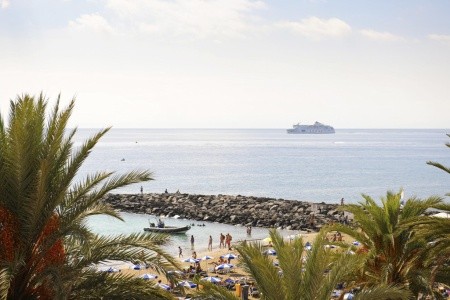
<point>317,128</point>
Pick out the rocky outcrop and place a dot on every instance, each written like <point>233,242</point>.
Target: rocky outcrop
<point>228,209</point>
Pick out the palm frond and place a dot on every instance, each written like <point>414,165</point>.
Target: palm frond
<point>384,292</point>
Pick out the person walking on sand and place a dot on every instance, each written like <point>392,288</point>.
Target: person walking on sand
<point>210,243</point>
<point>222,241</point>
<point>192,241</point>
<point>180,252</point>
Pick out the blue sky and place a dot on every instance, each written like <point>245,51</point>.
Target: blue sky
<point>232,63</point>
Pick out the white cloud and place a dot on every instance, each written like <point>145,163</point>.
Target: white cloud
<point>194,18</point>
<point>317,29</point>
<point>4,4</point>
<point>440,38</point>
<point>92,22</point>
<point>380,36</point>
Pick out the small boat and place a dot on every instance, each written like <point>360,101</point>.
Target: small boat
<point>162,228</point>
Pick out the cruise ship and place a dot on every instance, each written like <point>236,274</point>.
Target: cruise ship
<point>316,128</point>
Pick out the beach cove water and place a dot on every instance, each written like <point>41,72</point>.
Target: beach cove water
<point>134,223</point>
<point>267,163</point>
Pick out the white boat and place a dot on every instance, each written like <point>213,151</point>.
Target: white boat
<point>160,227</point>
<point>316,128</point>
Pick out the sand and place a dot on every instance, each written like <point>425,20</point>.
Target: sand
<point>235,273</point>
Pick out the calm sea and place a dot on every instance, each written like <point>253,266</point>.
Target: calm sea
<point>272,163</point>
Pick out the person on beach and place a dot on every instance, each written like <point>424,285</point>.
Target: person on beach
<point>342,201</point>
<point>142,190</point>
<point>210,243</point>
<point>166,192</point>
<point>194,255</point>
<point>180,252</point>
<point>228,239</point>
<point>192,241</point>
<point>222,241</point>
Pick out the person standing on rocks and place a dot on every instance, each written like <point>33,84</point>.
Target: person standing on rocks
<point>210,243</point>
<point>222,241</point>
<point>180,252</point>
<point>192,241</point>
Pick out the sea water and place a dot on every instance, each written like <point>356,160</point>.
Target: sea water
<point>272,163</point>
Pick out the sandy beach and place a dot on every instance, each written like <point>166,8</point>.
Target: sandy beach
<point>235,273</point>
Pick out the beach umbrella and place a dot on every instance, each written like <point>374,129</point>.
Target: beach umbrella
<point>229,256</point>
<point>270,252</point>
<point>138,267</point>
<point>207,257</point>
<point>188,284</point>
<point>191,260</point>
<point>224,266</point>
<point>336,293</point>
<point>212,279</point>
<point>355,243</point>
<point>112,270</point>
<point>149,276</point>
<point>164,286</point>
<point>276,264</point>
<point>308,246</point>
<point>348,296</point>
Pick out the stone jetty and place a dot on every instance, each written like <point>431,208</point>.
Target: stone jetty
<point>230,209</point>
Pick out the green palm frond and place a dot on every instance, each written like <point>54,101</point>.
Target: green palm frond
<point>45,210</point>
<point>211,291</point>
<point>384,292</point>
<point>395,237</point>
<point>116,286</point>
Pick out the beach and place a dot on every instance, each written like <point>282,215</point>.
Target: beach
<point>236,273</point>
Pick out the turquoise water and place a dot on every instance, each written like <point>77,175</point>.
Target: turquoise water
<point>136,222</point>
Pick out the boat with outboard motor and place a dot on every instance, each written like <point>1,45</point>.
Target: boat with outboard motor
<point>160,227</point>
<point>316,128</point>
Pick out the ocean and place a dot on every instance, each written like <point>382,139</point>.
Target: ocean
<point>272,163</point>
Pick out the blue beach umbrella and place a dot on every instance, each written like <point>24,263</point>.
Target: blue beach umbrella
<point>188,284</point>
<point>224,266</point>
<point>270,252</point>
<point>112,270</point>
<point>191,260</point>
<point>138,267</point>
<point>308,246</point>
<point>212,279</point>
<point>207,257</point>
<point>355,243</point>
<point>348,296</point>
<point>164,286</point>
<point>229,256</point>
<point>149,276</point>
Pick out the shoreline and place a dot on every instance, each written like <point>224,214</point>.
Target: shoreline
<point>230,209</point>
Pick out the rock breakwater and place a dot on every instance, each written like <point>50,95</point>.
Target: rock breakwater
<point>229,209</point>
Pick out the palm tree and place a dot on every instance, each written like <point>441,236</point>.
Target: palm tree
<point>441,166</point>
<point>46,249</point>
<point>387,232</point>
<point>302,274</point>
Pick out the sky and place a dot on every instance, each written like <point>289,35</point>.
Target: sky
<point>231,63</point>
